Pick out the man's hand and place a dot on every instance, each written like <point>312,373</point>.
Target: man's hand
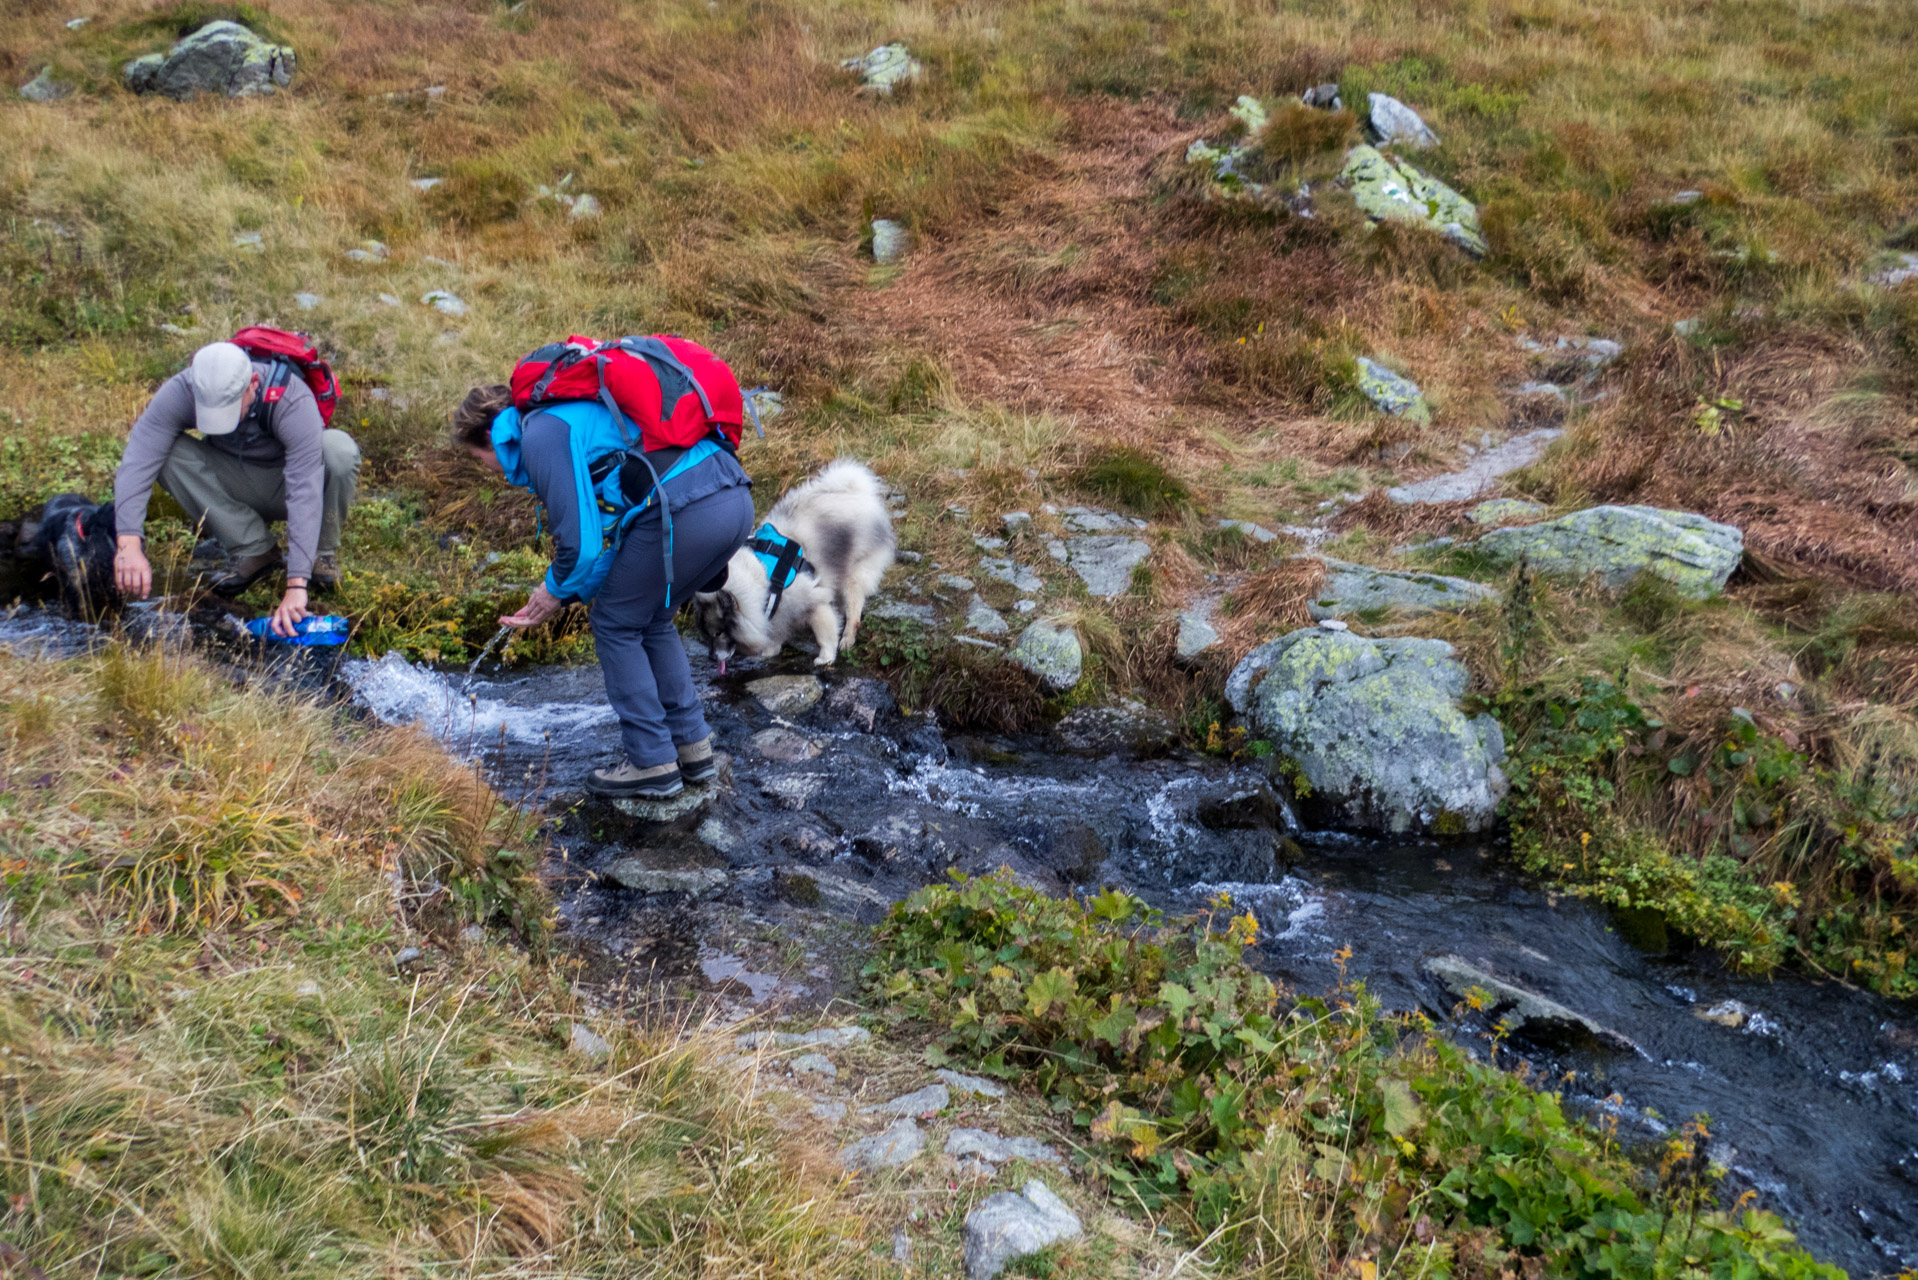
<point>131,572</point>
<point>286,618</point>
<point>539,606</point>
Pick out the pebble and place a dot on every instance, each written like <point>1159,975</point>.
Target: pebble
<point>447,304</point>
<point>307,301</point>
<point>589,1044</point>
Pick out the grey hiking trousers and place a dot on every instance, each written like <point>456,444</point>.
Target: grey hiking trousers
<point>235,501</point>
<point>648,679</point>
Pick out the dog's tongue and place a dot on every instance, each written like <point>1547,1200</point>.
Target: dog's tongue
<point>722,666</point>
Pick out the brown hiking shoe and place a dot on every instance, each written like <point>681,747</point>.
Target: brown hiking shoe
<point>325,578</point>
<point>629,781</point>
<point>246,571</point>
<point>696,761</point>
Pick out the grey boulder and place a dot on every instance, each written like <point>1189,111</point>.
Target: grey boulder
<point>1013,1224</point>
<point>1196,632</point>
<point>1049,649</point>
<point>44,88</point>
<point>1392,393</point>
<point>221,58</point>
<point>787,695</point>
<point>885,69</point>
<point>1520,1009</point>
<point>1694,554</point>
<point>1354,588</point>
<point>1394,190</point>
<point>1390,122</point>
<point>631,873</point>
<point>1128,727</point>
<point>1374,729</point>
<point>889,1149</point>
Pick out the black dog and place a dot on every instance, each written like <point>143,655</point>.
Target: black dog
<point>69,542</point>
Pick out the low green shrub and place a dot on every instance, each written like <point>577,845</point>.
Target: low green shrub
<point>1305,1138</point>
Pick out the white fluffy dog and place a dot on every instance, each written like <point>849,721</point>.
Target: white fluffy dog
<point>839,518</point>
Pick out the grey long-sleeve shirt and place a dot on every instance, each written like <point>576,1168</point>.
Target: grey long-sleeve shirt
<point>285,435</point>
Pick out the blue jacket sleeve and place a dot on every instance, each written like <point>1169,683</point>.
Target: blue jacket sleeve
<point>547,452</point>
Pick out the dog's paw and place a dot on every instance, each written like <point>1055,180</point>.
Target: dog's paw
<point>825,659</point>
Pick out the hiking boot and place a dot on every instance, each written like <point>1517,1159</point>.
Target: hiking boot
<point>628,781</point>
<point>697,763</point>
<point>325,578</point>
<point>246,571</point>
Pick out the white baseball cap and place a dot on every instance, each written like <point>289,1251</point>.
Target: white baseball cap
<point>221,374</point>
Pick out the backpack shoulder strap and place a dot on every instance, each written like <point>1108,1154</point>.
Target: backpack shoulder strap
<point>658,352</point>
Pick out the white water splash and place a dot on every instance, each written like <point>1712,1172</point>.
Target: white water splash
<point>397,692</point>
<point>1285,910</point>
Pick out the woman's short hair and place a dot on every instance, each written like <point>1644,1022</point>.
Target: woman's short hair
<point>473,420</point>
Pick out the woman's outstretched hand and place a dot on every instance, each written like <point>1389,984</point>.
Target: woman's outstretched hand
<point>539,606</point>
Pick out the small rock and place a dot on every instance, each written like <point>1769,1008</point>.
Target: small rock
<point>1519,451</point>
<point>44,88</point>
<point>1551,389</point>
<point>901,1247</point>
<point>1026,606</point>
<point>1332,624</point>
<point>1683,198</point>
<point>900,1142</point>
<point>769,403</point>
<point>787,695</point>
<point>1196,633</point>
<point>1094,520</point>
<point>829,1037</point>
<point>983,618</point>
<point>1323,96</point>
<point>923,614</point>
<point>1104,562</point>
<point>1688,327</point>
<point>786,746</point>
<point>862,701</point>
<point>1393,394</point>
<point>1256,532</point>
<point>248,240</point>
<point>308,990</point>
<point>1012,574</point>
<point>1888,273</point>
<point>1519,1007</point>
<point>928,1101</point>
<point>959,1082</point>
<point>1354,588</point>
<point>885,69</point>
<point>990,1146</point>
<point>815,1064</point>
<point>953,582</point>
<point>425,184</point>
<point>695,882</point>
<point>74,24</point>
<point>589,1044</point>
<point>1050,650</point>
<point>388,300</point>
<point>1016,520</point>
<point>407,956</point>
<point>794,790</point>
<point>472,936</point>
<point>582,207</point>
<point>447,304</point>
<point>829,1111</point>
<point>889,241</point>
<point>1390,122</point>
<point>368,251</point>
<point>811,887</point>
<point>307,301</point>
<point>1013,1224</point>
<point>1726,1013</point>
<point>1131,727</point>
<point>687,801</point>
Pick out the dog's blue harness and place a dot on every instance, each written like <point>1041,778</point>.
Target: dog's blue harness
<point>784,559</point>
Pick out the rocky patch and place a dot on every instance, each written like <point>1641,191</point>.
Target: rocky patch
<point>220,58</point>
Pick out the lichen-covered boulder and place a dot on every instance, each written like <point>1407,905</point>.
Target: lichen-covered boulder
<point>44,88</point>
<point>1392,190</point>
<point>1371,731</point>
<point>1692,553</point>
<point>885,69</point>
<point>1355,588</point>
<point>1049,649</point>
<point>221,57</point>
<point>1391,392</point>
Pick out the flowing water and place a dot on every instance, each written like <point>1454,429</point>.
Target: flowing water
<point>751,892</point>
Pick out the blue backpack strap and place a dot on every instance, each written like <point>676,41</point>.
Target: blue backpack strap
<point>752,409</point>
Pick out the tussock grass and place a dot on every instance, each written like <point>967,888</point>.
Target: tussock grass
<point>215,1069</point>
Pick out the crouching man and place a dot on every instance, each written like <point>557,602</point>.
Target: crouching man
<point>263,453</point>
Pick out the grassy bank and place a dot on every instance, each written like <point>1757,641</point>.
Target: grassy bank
<point>214,1065</point>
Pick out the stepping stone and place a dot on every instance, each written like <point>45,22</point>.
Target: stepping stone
<point>631,873</point>
<point>1050,650</point>
<point>899,1143</point>
<point>1012,1225</point>
<point>962,1083</point>
<point>928,1101</point>
<point>997,1150</point>
<point>787,695</point>
<point>786,746</point>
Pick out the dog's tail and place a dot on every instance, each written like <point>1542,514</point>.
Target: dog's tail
<point>849,477</point>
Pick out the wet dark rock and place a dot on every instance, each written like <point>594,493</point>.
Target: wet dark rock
<point>893,838</point>
<point>787,695</point>
<point>1523,1011</point>
<point>866,702</point>
<point>1323,96</point>
<point>787,746</point>
<point>631,873</point>
<point>1129,728</point>
<point>810,887</point>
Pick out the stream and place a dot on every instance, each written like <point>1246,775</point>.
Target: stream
<point>753,893</point>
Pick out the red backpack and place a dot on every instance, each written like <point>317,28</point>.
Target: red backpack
<point>295,350</point>
<point>676,392</point>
